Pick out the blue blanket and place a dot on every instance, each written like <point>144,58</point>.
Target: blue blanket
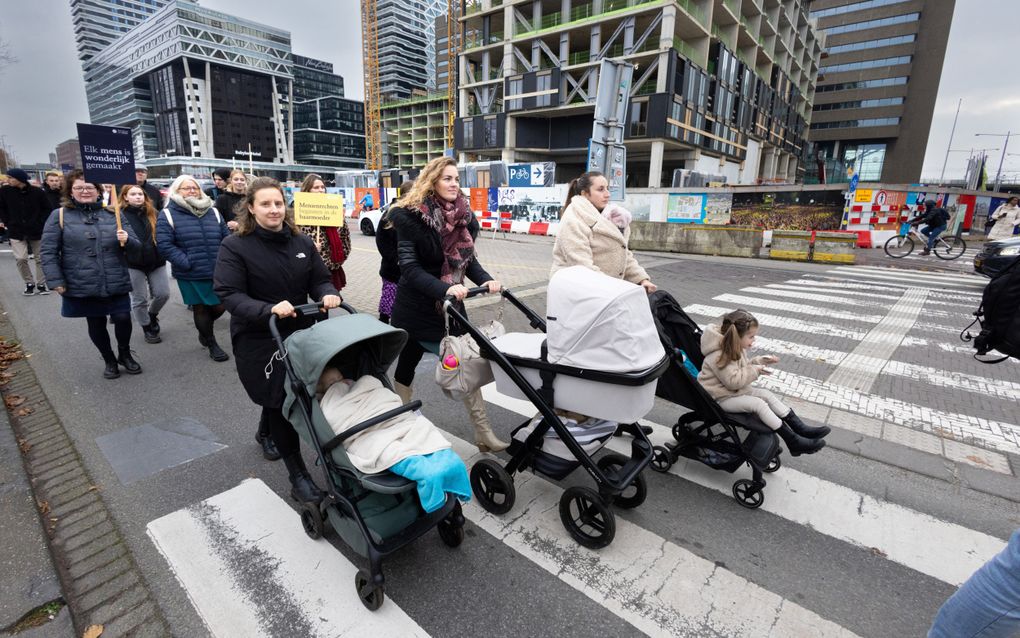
<point>436,474</point>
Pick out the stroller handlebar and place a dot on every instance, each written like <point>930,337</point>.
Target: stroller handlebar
<point>472,292</point>
<point>303,310</point>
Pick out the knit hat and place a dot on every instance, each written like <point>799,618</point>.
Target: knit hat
<point>18,174</point>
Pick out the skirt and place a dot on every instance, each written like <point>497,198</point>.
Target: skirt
<point>388,296</point>
<point>95,306</point>
<point>198,292</point>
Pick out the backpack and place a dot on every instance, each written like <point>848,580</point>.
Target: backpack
<point>677,331</point>
<point>170,218</point>
<point>998,316</point>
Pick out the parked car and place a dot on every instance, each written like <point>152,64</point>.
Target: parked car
<point>996,255</point>
<point>368,221</point>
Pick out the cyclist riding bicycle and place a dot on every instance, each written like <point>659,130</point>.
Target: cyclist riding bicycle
<point>935,218</point>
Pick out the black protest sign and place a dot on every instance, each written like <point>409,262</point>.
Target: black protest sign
<point>107,154</point>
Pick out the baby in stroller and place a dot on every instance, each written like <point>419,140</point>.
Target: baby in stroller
<point>408,445</point>
<point>728,375</point>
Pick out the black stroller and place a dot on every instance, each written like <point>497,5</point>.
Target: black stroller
<point>584,512</point>
<point>375,514</point>
<point>707,434</point>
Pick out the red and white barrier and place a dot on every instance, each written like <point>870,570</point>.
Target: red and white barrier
<point>504,222</point>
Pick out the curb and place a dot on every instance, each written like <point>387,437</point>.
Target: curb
<point>100,579</point>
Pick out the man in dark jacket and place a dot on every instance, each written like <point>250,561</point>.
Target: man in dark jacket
<point>935,218</point>
<point>23,211</point>
<point>53,187</point>
<point>141,175</point>
<point>220,178</point>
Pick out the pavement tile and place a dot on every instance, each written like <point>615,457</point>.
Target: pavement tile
<point>70,543</point>
<point>105,557</point>
<point>912,438</point>
<point>101,575</point>
<point>107,591</point>
<point>126,624</point>
<point>856,423</point>
<point>986,459</point>
<point>808,410</point>
<point>93,548</point>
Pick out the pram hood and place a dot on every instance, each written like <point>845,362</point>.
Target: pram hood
<point>600,323</point>
<point>312,349</point>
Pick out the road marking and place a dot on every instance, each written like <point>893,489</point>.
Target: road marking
<point>816,294</point>
<point>655,585</point>
<point>816,311</point>
<point>952,276</point>
<point>777,321</point>
<point>249,570</point>
<point>857,284</point>
<point>918,342</point>
<point>835,510</point>
<point>799,350</point>
<point>906,278</point>
<point>858,369</point>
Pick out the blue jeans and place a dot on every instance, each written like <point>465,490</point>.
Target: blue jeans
<point>988,604</point>
<point>933,234</point>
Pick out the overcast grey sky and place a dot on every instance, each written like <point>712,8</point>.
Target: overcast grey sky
<point>43,94</point>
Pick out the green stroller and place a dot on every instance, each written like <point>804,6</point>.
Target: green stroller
<point>374,514</point>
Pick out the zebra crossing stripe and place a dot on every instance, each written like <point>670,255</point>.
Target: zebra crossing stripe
<point>908,278</point>
<point>779,321</point>
<point>831,281</point>
<point>950,552</point>
<point>655,585</point>
<point>954,276</point>
<point>819,294</point>
<point>249,570</point>
<point>757,302</point>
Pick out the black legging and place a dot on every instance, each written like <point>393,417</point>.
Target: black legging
<point>204,318</point>
<point>101,336</point>
<point>409,357</point>
<point>281,430</point>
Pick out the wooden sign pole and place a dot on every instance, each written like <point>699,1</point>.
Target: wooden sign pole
<point>116,208</point>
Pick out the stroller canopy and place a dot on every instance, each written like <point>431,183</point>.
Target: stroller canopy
<point>600,323</point>
<point>374,346</point>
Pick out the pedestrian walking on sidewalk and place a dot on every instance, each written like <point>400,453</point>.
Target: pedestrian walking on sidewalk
<point>220,178</point>
<point>152,191</point>
<point>53,186</point>
<point>333,243</point>
<point>267,268</point>
<point>150,282</point>
<point>23,212</point>
<point>1007,220</point>
<point>728,375</point>
<point>85,260</point>
<point>436,233</point>
<point>232,199</point>
<point>188,235</point>
<point>389,268</point>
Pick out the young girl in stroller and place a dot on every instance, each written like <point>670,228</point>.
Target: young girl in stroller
<point>728,376</point>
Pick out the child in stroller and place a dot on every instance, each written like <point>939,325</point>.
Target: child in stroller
<point>728,376</point>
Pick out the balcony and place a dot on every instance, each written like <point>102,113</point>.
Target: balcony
<point>586,12</point>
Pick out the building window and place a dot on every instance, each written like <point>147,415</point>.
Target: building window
<point>873,24</point>
<point>859,104</point>
<point>469,133</point>
<point>515,86</point>
<point>873,44</point>
<point>638,119</point>
<point>491,131</point>
<point>543,83</point>
<point>881,121</point>
<point>853,6</point>
<point>862,84</point>
<point>865,64</point>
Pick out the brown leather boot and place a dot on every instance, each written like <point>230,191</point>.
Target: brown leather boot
<point>485,439</point>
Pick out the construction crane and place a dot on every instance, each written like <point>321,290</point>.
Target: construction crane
<point>454,10</point>
<point>373,123</point>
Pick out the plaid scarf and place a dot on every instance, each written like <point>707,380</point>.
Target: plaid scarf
<point>450,220</point>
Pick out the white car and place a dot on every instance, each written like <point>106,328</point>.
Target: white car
<point>368,221</point>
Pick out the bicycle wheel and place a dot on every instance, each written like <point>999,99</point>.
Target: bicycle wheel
<point>899,246</point>
<point>952,248</point>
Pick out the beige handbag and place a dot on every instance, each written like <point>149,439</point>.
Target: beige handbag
<point>472,370</point>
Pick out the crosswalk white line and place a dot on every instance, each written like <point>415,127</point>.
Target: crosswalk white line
<point>997,434</point>
<point>249,570</point>
<point>944,276</point>
<point>887,286</point>
<point>909,278</point>
<point>963,349</point>
<point>829,295</point>
<point>950,552</point>
<point>854,292</point>
<point>770,345</point>
<point>816,311</point>
<point>778,321</point>
<point>679,593</point>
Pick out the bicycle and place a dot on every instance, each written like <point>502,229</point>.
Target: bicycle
<point>903,244</point>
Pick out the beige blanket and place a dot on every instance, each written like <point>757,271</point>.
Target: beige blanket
<point>382,445</point>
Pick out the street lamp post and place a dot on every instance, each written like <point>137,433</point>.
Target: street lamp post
<point>1002,157</point>
<point>942,178</point>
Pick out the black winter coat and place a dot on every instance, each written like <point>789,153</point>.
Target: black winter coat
<point>146,257</point>
<point>154,195</point>
<point>386,242</point>
<point>419,290</point>
<point>254,272</point>
<point>84,256</point>
<point>53,196</point>
<point>24,211</point>
<point>227,204</point>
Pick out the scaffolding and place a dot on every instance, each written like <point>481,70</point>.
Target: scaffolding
<point>370,47</point>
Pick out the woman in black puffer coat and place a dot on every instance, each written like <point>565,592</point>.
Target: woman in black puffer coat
<point>84,259</point>
<point>150,282</point>
<point>435,251</point>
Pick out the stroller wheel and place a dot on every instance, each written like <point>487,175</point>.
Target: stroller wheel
<point>773,465</point>
<point>636,492</point>
<point>748,493</point>
<point>451,533</point>
<point>662,459</point>
<point>371,596</point>
<point>492,486</point>
<point>586,517</point>
<point>311,520</point>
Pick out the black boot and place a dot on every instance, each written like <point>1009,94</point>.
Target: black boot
<point>796,443</point>
<point>269,451</point>
<point>803,429</point>
<point>302,489</point>
<point>154,323</point>
<point>111,371</point>
<point>130,365</point>
<point>215,351</point>
<point>151,336</point>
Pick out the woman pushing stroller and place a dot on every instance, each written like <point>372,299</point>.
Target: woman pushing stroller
<point>728,375</point>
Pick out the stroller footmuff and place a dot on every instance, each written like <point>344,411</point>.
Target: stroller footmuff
<point>375,514</point>
<point>600,358</point>
<point>707,434</point>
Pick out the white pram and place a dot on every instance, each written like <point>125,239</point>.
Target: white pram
<point>601,357</point>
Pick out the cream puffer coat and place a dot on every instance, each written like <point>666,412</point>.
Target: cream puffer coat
<point>586,238</point>
<point>732,380</point>
<point>1007,217</point>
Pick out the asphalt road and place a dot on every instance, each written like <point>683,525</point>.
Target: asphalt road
<point>516,576</point>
